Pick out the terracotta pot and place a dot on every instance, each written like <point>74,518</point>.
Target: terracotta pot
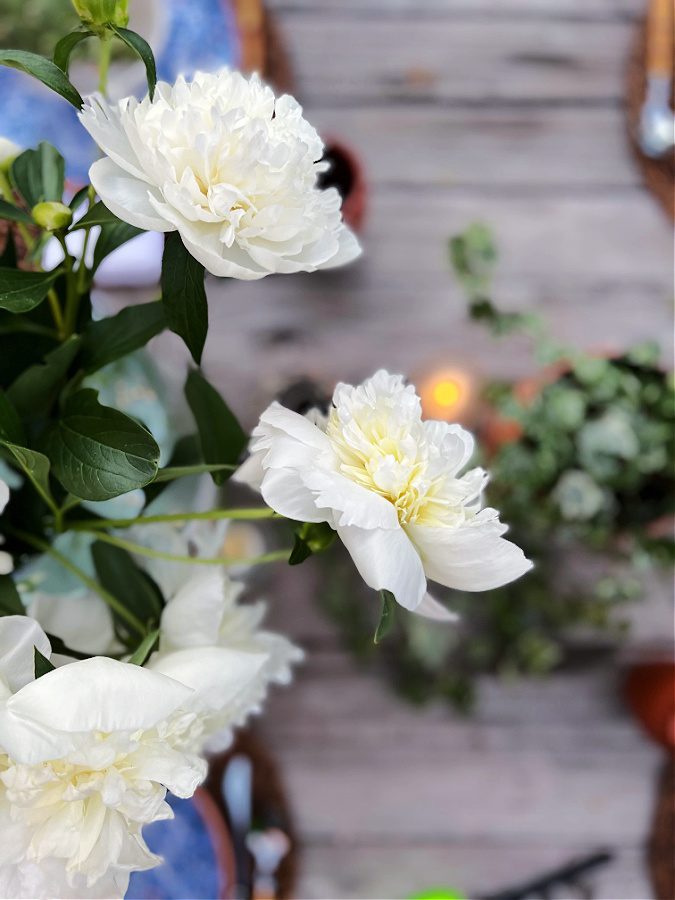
<point>650,692</point>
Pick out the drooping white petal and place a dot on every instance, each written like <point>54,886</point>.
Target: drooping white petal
<point>430,608</point>
<point>192,617</point>
<point>387,560</point>
<point>472,558</point>
<point>82,621</point>
<point>98,694</point>
<point>284,491</point>
<point>125,196</point>
<point>19,636</point>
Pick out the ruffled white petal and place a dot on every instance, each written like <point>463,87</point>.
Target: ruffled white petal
<point>387,560</point>
<point>472,558</point>
<point>127,197</point>
<point>19,636</point>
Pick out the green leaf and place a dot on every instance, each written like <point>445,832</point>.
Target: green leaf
<point>98,453</point>
<point>58,646</point>
<point>221,436</point>
<point>183,295</point>
<point>22,291</point>
<point>112,236</point>
<point>39,175</point>
<point>98,214</point>
<point>11,428</point>
<point>145,648</point>
<point>36,466</point>
<point>386,616</point>
<point>310,537</point>
<point>141,47</point>
<point>66,46</point>
<point>13,214</point>
<point>119,574</point>
<point>109,339</point>
<point>44,70</point>
<point>8,259</point>
<point>10,601</point>
<point>42,664</point>
<point>36,388</point>
<point>79,198</point>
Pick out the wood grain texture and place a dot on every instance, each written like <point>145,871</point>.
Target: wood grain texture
<point>507,111</point>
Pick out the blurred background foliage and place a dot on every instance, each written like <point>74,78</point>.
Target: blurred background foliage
<point>580,458</point>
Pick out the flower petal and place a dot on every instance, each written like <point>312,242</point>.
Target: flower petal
<point>432,609</point>
<point>127,197</point>
<point>19,636</point>
<point>471,558</point>
<point>284,491</point>
<point>387,560</point>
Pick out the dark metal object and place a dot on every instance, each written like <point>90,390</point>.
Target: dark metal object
<point>566,876</point>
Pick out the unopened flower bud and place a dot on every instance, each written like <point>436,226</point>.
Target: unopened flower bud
<point>52,215</point>
<point>97,13</point>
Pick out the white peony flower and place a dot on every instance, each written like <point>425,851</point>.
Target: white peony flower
<point>205,621</point>
<point>6,562</point>
<point>87,753</point>
<point>390,485</point>
<point>229,167</point>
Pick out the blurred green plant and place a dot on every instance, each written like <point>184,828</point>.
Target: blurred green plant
<point>581,458</point>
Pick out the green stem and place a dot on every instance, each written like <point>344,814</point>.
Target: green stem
<point>72,293</point>
<point>211,515</point>
<point>104,62</point>
<point>141,550</point>
<point>91,583</point>
<point>57,315</point>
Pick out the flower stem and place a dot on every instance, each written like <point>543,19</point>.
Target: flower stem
<point>210,515</point>
<point>104,62</point>
<point>87,580</point>
<point>57,315</point>
<point>141,550</point>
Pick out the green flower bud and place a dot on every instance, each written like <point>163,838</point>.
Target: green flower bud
<point>52,216</point>
<point>97,13</point>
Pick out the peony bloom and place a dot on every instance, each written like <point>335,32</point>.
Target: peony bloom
<point>204,621</point>
<point>6,562</point>
<point>87,753</point>
<point>229,167</point>
<point>390,485</point>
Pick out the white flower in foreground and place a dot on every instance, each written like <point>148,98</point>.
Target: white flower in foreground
<point>6,563</point>
<point>390,485</point>
<point>87,753</point>
<point>229,167</point>
<point>8,152</point>
<point>204,621</point>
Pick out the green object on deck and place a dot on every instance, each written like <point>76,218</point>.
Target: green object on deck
<point>439,894</point>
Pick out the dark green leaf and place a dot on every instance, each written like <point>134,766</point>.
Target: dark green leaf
<point>141,47</point>
<point>22,291</point>
<point>8,259</point>
<point>36,388</point>
<point>42,664</point>
<point>59,647</point>
<point>310,537</point>
<point>98,214</point>
<point>38,175</point>
<point>386,616</point>
<point>66,46</point>
<point>79,198</point>
<point>109,339</point>
<point>13,214</point>
<point>183,295</point>
<point>112,236</point>
<point>10,601</point>
<point>11,428</point>
<point>221,436</point>
<point>44,70</point>
<point>98,453</point>
<point>145,648</point>
<point>36,466</point>
<point>119,574</point>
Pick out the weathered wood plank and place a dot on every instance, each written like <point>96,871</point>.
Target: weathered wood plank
<point>370,870</point>
<point>390,59</point>
<point>526,149</point>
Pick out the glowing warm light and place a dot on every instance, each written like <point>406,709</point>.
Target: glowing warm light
<point>446,394</point>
